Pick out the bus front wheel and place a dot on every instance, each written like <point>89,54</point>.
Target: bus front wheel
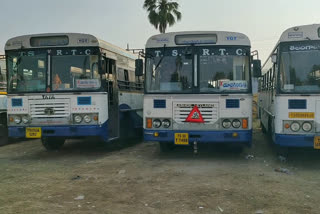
<point>52,143</point>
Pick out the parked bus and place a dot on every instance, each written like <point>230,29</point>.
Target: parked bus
<point>71,85</point>
<point>3,102</point>
<point>198,89</point>
<point>290,87</point>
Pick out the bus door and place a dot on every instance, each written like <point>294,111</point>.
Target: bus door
<point>113,99</point>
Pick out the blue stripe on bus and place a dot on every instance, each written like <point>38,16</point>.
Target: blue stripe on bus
<point>65,131</point>
<point>297,104</point>
<point>287,140</point>
<point>244,136</point>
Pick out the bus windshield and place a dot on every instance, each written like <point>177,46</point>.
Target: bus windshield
<point>218,70</point>
<point>75,73</point>
<point>70,69</point>
<point>300,68</point>
<point>169,73</point>
<point>27,73</point>
<point>3,75</point>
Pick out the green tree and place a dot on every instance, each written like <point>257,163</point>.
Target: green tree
<point>162,13</point>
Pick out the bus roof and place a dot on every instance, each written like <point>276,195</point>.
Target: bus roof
<point>74,40</point>
<point>222,38</point>
<point>301,33</point>
<point>297,33</point>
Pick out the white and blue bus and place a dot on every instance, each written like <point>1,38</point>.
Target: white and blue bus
<point>3,102</point>
<point>198,89</point>
<point>71,85</point>
<point>290,88</point>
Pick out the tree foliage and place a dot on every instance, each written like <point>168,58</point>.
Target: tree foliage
<point>162,13</point>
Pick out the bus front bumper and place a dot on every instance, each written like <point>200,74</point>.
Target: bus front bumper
<point>64,131</point>
<point>287,140</point>
<point>241,136</point>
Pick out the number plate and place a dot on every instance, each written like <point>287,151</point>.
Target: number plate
<point>33,132</point>
<point>181,138</point>
<point>301,115</point>
<point>316,142</point>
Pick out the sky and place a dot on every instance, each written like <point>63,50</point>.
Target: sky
<point>123,22</point>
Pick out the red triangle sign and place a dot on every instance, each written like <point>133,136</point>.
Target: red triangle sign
<point>195,116</point>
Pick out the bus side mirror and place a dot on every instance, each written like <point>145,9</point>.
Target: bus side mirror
<point>103,65</point>
<point>274,58</point>
<point>139,67</point>
<point>256,68</point>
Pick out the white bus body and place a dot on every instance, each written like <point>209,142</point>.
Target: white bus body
<point>71,85</point>
<point>198,89</point>
<point>3,102</point>
<point>290,87</point>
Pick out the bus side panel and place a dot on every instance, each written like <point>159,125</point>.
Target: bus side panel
<point>131,111</point>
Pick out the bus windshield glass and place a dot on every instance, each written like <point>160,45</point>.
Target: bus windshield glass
<point>27,71</point>
<point>224,70</point>
<point>300,67</point>
<point>170,72</point>
<point>3,75</point>
<point>216,70</point>
<point>75,73</point>
<point>69,69</point>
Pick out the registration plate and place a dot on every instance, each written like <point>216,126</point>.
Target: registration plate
<point>316,142</point>
<point>301,115</point>
<point>33,132</point>
<point>181,138</point>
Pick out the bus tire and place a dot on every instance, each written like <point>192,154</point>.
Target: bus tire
<point>52,143</point>
<point>166,147</point>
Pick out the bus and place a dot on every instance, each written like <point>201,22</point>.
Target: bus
<point>72,85</point>
<point>198,89</point>
<point>3,102</point>
<point>289,89</point>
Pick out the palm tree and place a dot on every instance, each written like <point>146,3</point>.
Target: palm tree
<point>162,13</point>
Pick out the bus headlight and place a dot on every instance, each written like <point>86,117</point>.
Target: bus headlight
<point>25,119</point>
<point>77,119</point>
<point>87,118</point>
<point>236,123</point>
<point>295,126</point>
<point>166,123</point>
<point>226,124</point>
<point>306,126</point>
<point>156,123</point>
<point>17,119</point>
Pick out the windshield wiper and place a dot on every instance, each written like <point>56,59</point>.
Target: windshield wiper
<point>164,48</point>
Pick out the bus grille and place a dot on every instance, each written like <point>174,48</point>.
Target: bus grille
<point>56,108</point>
<point>209,112</point>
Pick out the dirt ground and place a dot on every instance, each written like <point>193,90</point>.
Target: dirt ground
<point>89,177</point>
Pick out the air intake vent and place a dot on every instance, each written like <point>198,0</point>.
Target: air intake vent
<point>84,100</point>
<point>16,102</point>
<point>297,104</point>
<point>159,103</point>
<point>232,103</point>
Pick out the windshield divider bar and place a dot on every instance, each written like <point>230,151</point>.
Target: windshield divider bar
<point>48,70</point>
<point>195,71</point>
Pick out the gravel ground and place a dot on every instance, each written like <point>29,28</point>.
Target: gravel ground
<point>89,177</point>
